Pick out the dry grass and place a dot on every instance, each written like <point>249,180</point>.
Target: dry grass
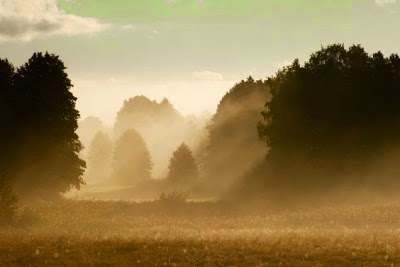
<point>94,233</point>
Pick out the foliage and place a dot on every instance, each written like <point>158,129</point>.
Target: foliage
<point>7,113</point>
<point>234,145</point>
<point>8,200</point>
<point>132,160</point>
<point>139,111</point>
<point>329,119</point>
<point>88,128</point>
<point>174,198</point>
<point>183,169</point>
<point>40,142</point>
<point>161,126</point>
<point>99,158</point>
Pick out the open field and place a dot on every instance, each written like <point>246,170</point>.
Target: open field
<point>94,233</point>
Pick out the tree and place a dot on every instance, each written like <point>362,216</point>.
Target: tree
<point>331,119</point>
<point>234,145</point>
<point>150,118</point>
<point>7,113</point>
<point>132,161</point>
<point>45,124</point>
<point>100,157</point>
<point>88,128</point>
<point>183,170</point>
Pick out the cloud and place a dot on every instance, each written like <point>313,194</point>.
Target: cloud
<point>385,2</point>
<point>22,20</point>
<point>207,75</point>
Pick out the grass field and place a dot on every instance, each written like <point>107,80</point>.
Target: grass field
<point>105,233</point>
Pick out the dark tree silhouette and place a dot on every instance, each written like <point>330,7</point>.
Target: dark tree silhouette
<point>7,115</point>
<point>99,158</point>
<point>234,144</point>
<point>183,170</point>
<point>132,161</point>
<point>45,124</point>
<point>330,119</point>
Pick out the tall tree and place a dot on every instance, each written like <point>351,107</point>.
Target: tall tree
<point>7,113</point>
<point>330,120</point>
<point>132,161</point>
<point>99,158</point>
<point>234,145</point>
<point>183,170</point>
<point>46,121</point>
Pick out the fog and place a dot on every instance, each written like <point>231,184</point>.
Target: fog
<point>306,156</point>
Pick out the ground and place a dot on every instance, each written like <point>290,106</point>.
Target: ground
<point>107,233</point>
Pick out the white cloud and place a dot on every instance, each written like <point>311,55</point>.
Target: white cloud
<point>207,75</point>
<point>23,20</point>
<point>385,2</point>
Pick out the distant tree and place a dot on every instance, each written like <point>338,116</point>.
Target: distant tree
<point>132,162</point>
<point>330,119</point>
<point>140,113</point>
<point>88,128</point>
<point>183,169</point>
<point>99,158</point>
<point>45,124</point>
<point>233,142</point>
<point>160,124</point>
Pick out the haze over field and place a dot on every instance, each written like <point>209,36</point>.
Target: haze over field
<point>199,132</point>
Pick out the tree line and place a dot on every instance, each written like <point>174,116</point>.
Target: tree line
<point>328,124</point>
<point>40,149</point>
<point>332,124</point>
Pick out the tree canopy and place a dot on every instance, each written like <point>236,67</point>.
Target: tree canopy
<point>7,114</point>
<point>183,170</point>
<point>234,145</point>
<point>99,158</point>
<point>163,128</point>
<point>331,118</point>
<point>88,128</point>
<point>140,112</point>
<point>40,143</point>
<point>132,160</point>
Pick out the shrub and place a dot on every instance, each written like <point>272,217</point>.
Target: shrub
<point>174,198</point>
<point>8,200</point>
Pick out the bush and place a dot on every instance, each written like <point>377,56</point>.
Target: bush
<point>173,198</point>
<point>27,216</point>
<point>8,200</point>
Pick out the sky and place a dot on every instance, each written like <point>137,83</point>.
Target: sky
<point>190,51</point>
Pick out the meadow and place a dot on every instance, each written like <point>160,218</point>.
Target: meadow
<point>116,233</point>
